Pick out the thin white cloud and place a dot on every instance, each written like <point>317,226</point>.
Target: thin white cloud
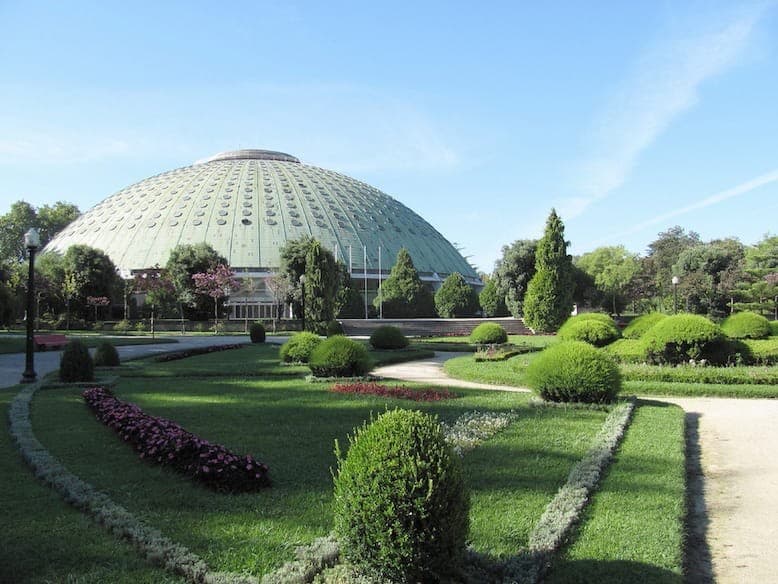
<point>665,85</point>
<point>736,191</point>
<point>60,149</point>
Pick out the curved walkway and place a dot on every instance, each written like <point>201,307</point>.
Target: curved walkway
<point>733,478</point>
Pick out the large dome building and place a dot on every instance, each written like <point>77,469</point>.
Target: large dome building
<point>247,204</point>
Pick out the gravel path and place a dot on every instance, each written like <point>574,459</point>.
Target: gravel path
<point>732,474</point>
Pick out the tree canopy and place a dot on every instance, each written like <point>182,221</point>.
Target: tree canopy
<point>403,293</point>
<point>48,219</point>
<point>456,298</point>
<point>513,273</point>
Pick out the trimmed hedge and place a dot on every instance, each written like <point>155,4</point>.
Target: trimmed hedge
<point>746,325</point>
<point>401,504</point>
<point>627,351</point>
<point>691,374</point>
<point>488,333</point>
<point>762,351</point>
<point>299,347</point>
<point>593,328</point>
<point>388,337</point>
<point>106,355</point>
<point>257,332</point>
<point>340,356</point>
<point>574,371</point>
<point>76,363</point>
<point>682,337</point>
<point>639,326</point>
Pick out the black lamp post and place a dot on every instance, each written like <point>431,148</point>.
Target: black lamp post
<point>302,297</point>
<point>31,241</point>
<point>675,281</point>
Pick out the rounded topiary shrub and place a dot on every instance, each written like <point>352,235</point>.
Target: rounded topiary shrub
<point>106,355</point>
<point>590,329</point>
<point>340,356</point>
<point>746,325</point>
<point>627,351</point>
<point>639,326</point>
<point>257,332</point>
<point>488,333</point>
<point>299,347</point>
<point>388,337</point>
<point>574,371</point>
<point>76,363</point>
<point>401,505</point>
<point>680,338</point>
<point>334,328</point>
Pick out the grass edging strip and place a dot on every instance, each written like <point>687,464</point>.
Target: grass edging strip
<point>565,508</point>
<point>149,541</point>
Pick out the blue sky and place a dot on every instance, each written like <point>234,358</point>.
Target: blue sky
<point>627,117</point>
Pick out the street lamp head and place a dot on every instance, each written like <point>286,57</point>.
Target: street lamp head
<point>675,280</point>
<point>32,239</point>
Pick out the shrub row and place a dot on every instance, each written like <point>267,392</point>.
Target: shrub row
<point>691,374</point>
<point>747,352</point>
<point>194,351</point>
<point>398,392</point>
<point>166,443</point>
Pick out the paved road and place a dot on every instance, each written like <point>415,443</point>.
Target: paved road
<point>12,364</point>
<point>733,479</point>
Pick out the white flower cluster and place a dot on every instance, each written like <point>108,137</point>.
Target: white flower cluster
<point>472,428</point>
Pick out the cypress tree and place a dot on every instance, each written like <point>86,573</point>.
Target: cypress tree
<point>403,293</point>
<point>321,287</point>
<point>549,298</point>
<point>455,297</point>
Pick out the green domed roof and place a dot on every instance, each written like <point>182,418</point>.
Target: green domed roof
<point>247,204</point>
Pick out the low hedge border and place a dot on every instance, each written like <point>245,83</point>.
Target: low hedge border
<point>150,542</point>
<point>396,392</point>
<point>742,375</point>
<point>471,429</point>
<point>194,351</point>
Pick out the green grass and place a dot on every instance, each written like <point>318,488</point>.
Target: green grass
<point>462,343</point>
<point>699,389</point>
<point>632,531</point>
<point>509,372</point>
<point>45,540</point>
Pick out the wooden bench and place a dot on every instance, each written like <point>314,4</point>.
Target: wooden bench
<point>43,342</point>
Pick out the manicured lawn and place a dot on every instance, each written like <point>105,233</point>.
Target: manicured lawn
<point>289,424</point>
<point>509,372</point>
<point>462,344</point>
<point>632,531</point>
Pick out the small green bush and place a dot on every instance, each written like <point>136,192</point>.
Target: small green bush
<point>762,351</point>
<point>746,325</point>
<point>122,326</point>
<point>388,337</point>
<point>593,328</point>
<point>627,351</point>
<point>334,328</point>
<point>574,371</point>
<point>106,355</point>
<point>340,356</point>
<point>76,364</point>
<point>299,347</point>
<point>488,333</point>
<point>682,337</point>
<point>401,505</point>
<point>257,332</point>
<point>638,327</point>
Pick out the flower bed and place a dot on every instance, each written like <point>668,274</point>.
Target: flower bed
<point>370,388</point>
<point>165,442</point>
<point>176,355</point>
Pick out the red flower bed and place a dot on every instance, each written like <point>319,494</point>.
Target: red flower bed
<point>372,388</point>
<point>165,442</point>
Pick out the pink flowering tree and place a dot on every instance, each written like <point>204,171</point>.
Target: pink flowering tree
<point>216,282</point>
<point>97,301</point>
<point>157,287</point>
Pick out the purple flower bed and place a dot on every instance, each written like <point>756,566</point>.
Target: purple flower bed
<point>398,392</point>
<point>165,442</point>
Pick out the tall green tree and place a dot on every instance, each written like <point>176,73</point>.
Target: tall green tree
<point>49,220</point>
<point>549,298</point>
<point>513,272</point>
<point>185,261</point>
<point>293,255</point>
<point>321,288</point>
<point>87,272</point>
<point>403,293</point>
<point>612,268</point>
<point>491,301</point>
<point>456,298</point>
<point>663,254</point>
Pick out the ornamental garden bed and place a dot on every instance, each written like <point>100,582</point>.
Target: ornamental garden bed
<point>512,475</point>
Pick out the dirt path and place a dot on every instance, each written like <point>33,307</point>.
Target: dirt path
<point>733,479</point>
